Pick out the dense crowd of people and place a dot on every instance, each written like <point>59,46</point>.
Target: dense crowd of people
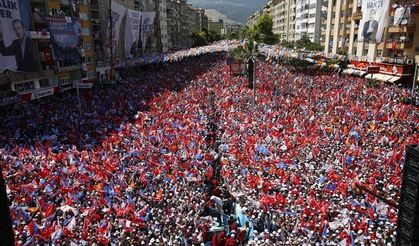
<point>184,155</point>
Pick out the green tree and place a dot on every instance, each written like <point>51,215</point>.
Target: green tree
<point>248,53</point>
<point>199,39</point>
<point>262,32</point>
<point>305,43</point>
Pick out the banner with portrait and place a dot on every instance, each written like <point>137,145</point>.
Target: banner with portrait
<point>133,43</point>
<point>66,38</point>
<point>112,39</point>
<point>16,47</point>
<point>147,22</point>
<point>375,17</point>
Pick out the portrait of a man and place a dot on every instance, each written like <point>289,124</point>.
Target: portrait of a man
<point>370,28</point>
<point>22,47</point>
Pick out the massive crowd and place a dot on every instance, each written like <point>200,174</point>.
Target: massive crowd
<point>183,155</point>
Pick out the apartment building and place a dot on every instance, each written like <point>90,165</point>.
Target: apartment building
<point>394,47</point>
<point>283,14</point>
<point>308,19</point>
<point>59,52</point>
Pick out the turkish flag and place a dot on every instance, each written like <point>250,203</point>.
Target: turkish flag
<point>48,56</point>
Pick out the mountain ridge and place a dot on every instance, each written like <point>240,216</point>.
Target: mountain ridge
<point>238,10</point>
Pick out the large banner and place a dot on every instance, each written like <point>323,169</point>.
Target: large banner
<point>133,44</point>
<point>66,38</point>
<point>147,23</point>
<point>375,17</point>
<point>118,12</point>
<point>16,47</point>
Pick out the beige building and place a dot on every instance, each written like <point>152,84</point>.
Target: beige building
<point>400,43</point>
<point>283,14</point>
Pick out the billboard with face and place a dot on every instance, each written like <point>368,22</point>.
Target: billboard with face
<point>17,50</point>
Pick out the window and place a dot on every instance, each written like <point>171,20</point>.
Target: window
<point>91,75</point>
<point>54,12</point>
<point>26,86</point>
<point>86,31</point>
<point>87,46</point>
<point>65,81</point>
<point>44,83</point>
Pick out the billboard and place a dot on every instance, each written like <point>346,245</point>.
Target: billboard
<point>112,39</point>
<point>16,47</point>
<point>66,38</point>
<point>147,22</point>
<point>132,34</point>
<point>375,17</point>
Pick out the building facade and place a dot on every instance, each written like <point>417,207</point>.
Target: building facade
<point>283,15</point>
<point>308,19</point>
<point>216,26</point>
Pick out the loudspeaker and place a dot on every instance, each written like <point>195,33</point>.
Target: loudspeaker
<point>408,216</point>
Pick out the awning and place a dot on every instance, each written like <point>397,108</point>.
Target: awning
<point>354,72</point>
<point>383,77</point>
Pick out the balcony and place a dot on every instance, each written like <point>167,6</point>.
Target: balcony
<point>399,45</point>
<point>357,16</point>
<point>69,68</point>
<point>407,25</point>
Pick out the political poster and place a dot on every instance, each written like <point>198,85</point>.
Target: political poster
<point>16,47</point>
<point>112,37</point>
<point>375,17</point>
<point>133,43</point>
<point>66,38</point>
<point>147,22</point>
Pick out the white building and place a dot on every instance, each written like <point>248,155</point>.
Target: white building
<point>283,14</point>
<point>308,19</point>
<point>163,26</point>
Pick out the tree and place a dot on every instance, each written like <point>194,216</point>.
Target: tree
<point>199,39</point>
<point>247,53</point>
<point>305,43</point>
<point>262,32</point>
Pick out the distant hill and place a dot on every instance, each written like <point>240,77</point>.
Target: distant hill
<point>238,10</point>
<point>215,15</point>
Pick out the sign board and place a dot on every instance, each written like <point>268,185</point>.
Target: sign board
<point>9,100</point>
<point>83,85</point>
<point>39,35</point>
<point>373,69</point>
<point>42,93</point>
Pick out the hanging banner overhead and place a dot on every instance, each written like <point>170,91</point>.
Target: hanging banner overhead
<point>16,47</point>
<point>112,39</point>
<point>133,44</point>
<point>375,17</point>
<point>66,38</point>
<point>147,22</point>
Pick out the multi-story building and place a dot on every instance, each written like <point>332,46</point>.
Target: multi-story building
<point>202,19</point>
<point>216,26</point>
<point>308,19</point>
<point>394,52</point>
<point>62,51</point>
<point>283,14</point>
<point>254,17</point>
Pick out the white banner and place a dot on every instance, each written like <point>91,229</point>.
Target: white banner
<point>83,85</point>
<point>147,23</point>
<point>42,93</point>
<point>375,17</point>
<point>132,34</point>
<point>118,12</point>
